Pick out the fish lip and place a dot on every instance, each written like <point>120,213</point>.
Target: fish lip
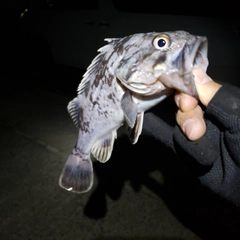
<point>190,86</point>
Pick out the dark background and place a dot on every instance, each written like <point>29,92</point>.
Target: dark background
<point>143,191</point>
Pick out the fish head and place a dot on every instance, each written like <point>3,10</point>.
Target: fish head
<point>155,61</point>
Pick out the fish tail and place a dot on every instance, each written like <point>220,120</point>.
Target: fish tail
<point>77,174</point>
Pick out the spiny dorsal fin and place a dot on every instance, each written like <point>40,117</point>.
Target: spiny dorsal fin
<point>90,73</point>
<point>111,39</point>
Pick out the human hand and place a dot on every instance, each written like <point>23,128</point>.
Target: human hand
<point>190,115</point>
<point>210,148</point>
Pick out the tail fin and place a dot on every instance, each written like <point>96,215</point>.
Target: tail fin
<point>77,174</point>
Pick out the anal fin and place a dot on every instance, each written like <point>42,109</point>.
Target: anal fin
<point>102,149</point>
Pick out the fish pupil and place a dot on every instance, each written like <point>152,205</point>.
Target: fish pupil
<point>161,42</point>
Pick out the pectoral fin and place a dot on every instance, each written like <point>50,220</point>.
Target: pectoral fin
<point>129,108</point>
<point>102,149</point>
<point>135,132</point>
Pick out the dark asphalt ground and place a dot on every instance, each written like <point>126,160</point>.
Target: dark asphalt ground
<point>142,193</point>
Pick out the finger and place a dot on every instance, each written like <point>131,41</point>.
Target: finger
<point>197,155</point>
<point>207,91</point>
<point>192,123</point>
<point>206,87</point>
<point>185,102</point>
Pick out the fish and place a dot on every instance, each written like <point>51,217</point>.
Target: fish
<point>127,77</point>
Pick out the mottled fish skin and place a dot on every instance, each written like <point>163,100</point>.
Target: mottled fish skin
<point>129,76</point>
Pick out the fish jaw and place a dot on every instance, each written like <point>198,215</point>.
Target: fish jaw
<point>184,83</point>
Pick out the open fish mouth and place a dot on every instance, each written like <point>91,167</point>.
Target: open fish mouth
<point>191,55</point>
<point>196,54</point>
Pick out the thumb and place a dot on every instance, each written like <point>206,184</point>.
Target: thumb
<point>206,87</point>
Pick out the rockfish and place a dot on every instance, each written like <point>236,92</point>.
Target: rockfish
<point>128,76</point>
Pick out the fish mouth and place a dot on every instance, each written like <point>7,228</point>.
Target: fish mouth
<point>192,55</point>
<point>195,55</point>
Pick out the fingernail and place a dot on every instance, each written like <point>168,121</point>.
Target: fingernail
<point>200,76</point>
<point>188,127</point>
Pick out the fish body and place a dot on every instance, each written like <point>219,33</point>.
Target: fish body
<point>129,76</point>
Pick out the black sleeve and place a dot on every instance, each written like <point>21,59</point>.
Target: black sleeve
<point>215,158</point>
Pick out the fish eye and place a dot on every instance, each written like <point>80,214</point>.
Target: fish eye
<point>161,42</point>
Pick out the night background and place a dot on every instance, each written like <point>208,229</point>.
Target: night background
<point>46,47</point>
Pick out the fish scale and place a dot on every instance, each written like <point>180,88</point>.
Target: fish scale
<point>129,76</point>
